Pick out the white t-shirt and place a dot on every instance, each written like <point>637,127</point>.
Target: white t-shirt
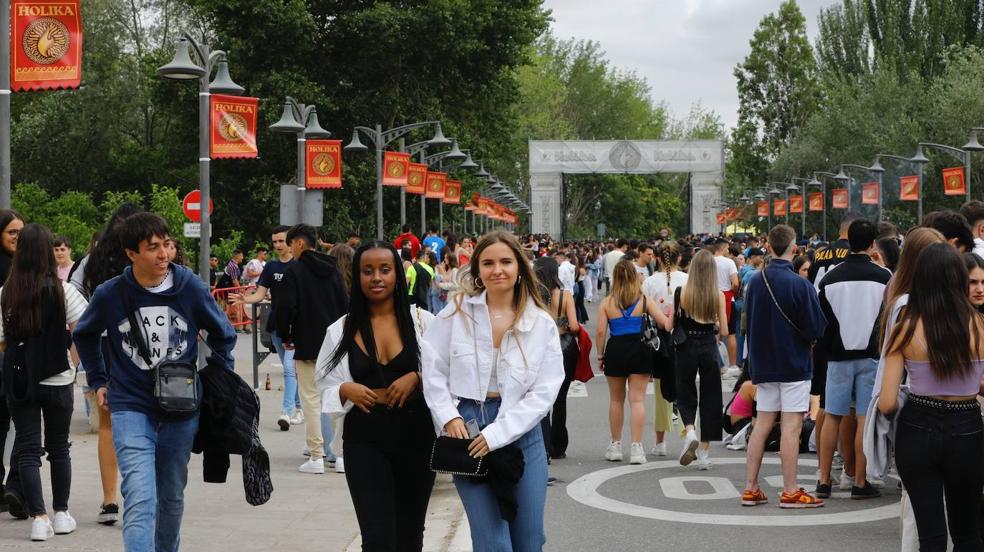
<point>656,288</point>
<point>567,277</point>
<point>611,259</point>
<point>641,270</point>
<point>726,268</point>
<point>75,305</point>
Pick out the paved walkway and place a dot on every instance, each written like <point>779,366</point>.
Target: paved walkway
<point>304,511</point>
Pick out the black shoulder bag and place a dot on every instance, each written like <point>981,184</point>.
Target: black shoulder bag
<point>175,382</point>
<point>796,328</point>
<point>679,335</point>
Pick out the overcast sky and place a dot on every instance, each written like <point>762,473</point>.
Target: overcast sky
<point>685,49</point>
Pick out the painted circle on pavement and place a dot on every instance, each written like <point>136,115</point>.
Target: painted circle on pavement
<point>585,491</point>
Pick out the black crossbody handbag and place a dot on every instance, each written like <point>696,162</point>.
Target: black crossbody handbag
<point>175,382</point>
<point>450,455</point>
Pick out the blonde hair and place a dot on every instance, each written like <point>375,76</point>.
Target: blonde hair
<point>626,287</point>
<point>526,288</point>
<point>701,297</point>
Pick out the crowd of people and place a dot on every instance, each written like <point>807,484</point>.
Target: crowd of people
<point>867,350</point>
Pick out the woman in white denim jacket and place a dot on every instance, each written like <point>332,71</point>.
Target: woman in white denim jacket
<point>496,351</point>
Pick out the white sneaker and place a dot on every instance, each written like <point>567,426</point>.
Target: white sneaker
<point>297,418</point>
<point>731,372</point>
<point>306,451</point>
<point>703,460</point>
<point>846,482</point>
<point>64,523</point>
<point>312,466</point>
<point>687,453</point>
<point>659,449</point>
<point>876,483</point>
<point>339,465</point>
<point>636,454</point>
<point>614,452</point>
<point>283,422</point>
<point>41,529</point>
<point>838,461</point>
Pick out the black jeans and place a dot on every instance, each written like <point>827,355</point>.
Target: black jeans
<point>557,437</point>
<point>941,453</point>
<point>698,355</point>
<point>55,404</point>
<point>390,482</point>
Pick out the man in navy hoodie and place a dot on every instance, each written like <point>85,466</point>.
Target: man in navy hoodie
<point>152,446</point>
<point>784,319</point>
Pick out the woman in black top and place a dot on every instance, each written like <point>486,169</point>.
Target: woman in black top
<point>11,224</point>
<point>35,309</point>
<point>369,372</point>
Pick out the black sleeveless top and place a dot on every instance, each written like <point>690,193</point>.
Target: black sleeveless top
<point>374,375</point>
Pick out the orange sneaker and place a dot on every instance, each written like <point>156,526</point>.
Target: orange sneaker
<point>799,499</point>
<point>753,498</point>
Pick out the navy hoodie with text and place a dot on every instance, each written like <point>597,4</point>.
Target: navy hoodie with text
<point>171,320</point>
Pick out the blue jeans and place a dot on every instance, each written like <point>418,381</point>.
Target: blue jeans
<point>489,532</point>
<point>292,401</point>
<point>327,433</point>
<point>153,459</point>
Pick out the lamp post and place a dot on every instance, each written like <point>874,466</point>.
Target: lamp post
<point>454,154</point>
<point>301,120</point>
<point>182,67</point>
<point>961,154</point>
<point>382,138</point>
<point>822,182</point>
<point>802,191</point>
<point>773,191</point>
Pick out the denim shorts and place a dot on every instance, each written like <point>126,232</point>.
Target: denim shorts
<point>847,380</point>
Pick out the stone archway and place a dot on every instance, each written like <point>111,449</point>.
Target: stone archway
<point>703,160</point>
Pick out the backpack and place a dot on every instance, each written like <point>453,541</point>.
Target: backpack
<point>421,286</point>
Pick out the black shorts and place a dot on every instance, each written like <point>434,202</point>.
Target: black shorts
<point>625,355</point>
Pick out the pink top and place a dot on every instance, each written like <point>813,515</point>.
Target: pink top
<point>922,381</point>
<point>740,407</point>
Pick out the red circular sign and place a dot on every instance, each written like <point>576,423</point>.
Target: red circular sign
<point>192,206</point>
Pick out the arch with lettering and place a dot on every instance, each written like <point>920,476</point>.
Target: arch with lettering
<point>703,160</point>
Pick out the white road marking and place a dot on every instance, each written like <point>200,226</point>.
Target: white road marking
<point>585,491</point>
<point>675,487</point>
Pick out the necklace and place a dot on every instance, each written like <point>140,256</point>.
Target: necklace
<point>495,315</point>
<point>158,284</point>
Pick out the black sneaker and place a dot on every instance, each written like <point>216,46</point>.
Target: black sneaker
<point>861,493</point>
<point>823,490</point>
<point>15,504</point>
<point>3,501</point>
<point>108,514</point>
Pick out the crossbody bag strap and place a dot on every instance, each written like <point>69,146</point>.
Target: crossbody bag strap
<point>136,330</point>
<point>768,286</point>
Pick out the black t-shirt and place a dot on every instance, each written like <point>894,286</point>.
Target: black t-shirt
<point>270,278</point>
<point>826,258</point>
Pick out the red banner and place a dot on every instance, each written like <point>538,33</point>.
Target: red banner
<point>452,192</point>
<point>323,164</point>
<point>869,193</point>
<point>484,206</point>
<point>395,168</point>
<point>719,217</point>
<point>435,185</point>
<point>839,198</point>
<point>45,45</point>
<point>779,207</point>
<point>953,181</point>
<point>909,188</point>
<point>416,178</point>
<point>472,203</point>
<point>233,127</point>
<point>763,208</point>
<point>816,201</point>
<point>731,214</point>
<point>796,203</point>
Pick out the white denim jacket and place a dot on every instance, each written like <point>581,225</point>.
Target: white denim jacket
<point>330,384</point>
<point>456,360</point>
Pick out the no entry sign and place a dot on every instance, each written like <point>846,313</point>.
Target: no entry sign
<point>192,206</point>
